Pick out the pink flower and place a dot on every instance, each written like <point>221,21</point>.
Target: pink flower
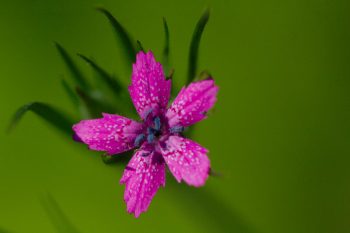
<point>158,137</point>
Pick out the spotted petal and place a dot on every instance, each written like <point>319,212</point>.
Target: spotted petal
<point>192,103</point>
<point>144,174</point>
<point>149,89</point>
<point>112,133</point>
<point>187,160</point>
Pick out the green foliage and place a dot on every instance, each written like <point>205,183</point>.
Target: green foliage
<point>70,93</point>
<point>76,74</point>
<point>122,158</point>
<point>3,231</point>
<point>208,207</point>
<point>166,49</point>
<point>50,114</point>
<point>110,82</point>
<point>94,104</point>
<point>139,46</point>
<point>58,218</point>
<point>194,46</point>
<point>127,44</point>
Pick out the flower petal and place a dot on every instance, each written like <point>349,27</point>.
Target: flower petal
<point>144,174</point>
<point>187,160</point>
<point>149,89</point>
<point>112,133</point>
<point>192,103</point>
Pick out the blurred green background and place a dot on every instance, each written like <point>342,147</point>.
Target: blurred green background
<point>279,134</point>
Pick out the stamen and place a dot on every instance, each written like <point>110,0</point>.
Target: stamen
<point>150,130</point>
<point>150,138</point>
<point>139,139</point>
<point>177,129</point>
<point>157,123</point>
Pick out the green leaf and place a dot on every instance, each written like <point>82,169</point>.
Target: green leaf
<point>121,159</point>
<point>208,203</point>
<point>94,105</point>
<point>214,173</point>
<point>112,83</point>
<point>166,49</point>
<point>139,45</point>
<point>127,43</point>
<point>58,218</point>
<point>72,67</point>
<point>70,93</point>
<point>204,75</point>
<point>3,231</point>
<point>194,47</point>
<point>46,112</point>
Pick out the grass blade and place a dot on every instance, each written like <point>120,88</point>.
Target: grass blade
<point>166,49</point>
<point>94,105</point>
<point>3,231</point>
<point>70,93</point>
<point>139,46</point>
<point>194,47</point>
<point>119,91</point>
<point>115,85</point>
<point>57,216</point>
<point>126,42</point>
<point>206,207</point>
<point>76,74</point>
<point>46,112</point>
<point>120,159</point>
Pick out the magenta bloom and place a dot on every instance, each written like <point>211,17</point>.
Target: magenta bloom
<point>157,137</point>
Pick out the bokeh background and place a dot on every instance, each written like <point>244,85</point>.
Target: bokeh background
<point>279,135</point>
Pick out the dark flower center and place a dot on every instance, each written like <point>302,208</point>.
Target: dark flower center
<point>155,127</point>
<point>152,131</point>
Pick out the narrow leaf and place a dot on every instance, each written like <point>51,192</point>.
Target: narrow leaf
<point>70,93</point>
<point>140,47</point>
<point>58,218</point>
<point>214,173</point>
<point>72,67</point>
<point>194,47</point>
<point>207,204</point>
<point>94,105</point>
<point>205,74</point>
<point>166,49</point>
<point>112,83</point>
<point>3,231</point>
<point>48,113</point>
<point>127,43</point>
<point>121,159</point>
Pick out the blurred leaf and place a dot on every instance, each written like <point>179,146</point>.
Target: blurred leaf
<point>48,113</point>
<point>57,216</point>
<point>127,44</point>
<point>70,93</point>
<point>120,159</point>
<point>72,67</point>
<point>94,105</point>
<point>112,83</point>
<point>208,207</point>
<point>3,231</point>
<point>214,173</point>
<point>194,47</point>
<point>171,74</point>
<point>166,49</point>
<point>139,45</point>
<point>203,75</point>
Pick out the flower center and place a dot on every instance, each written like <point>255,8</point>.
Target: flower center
<point>154,127</point>
<point>153,131</point>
